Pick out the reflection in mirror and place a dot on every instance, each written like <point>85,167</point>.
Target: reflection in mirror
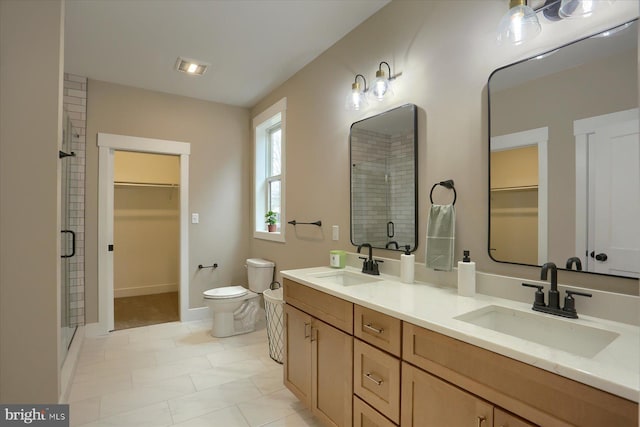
<point>565,159</point>
<point>383,179</point>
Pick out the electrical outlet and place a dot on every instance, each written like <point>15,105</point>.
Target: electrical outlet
<point>195,218</point>
<point>335,232</point>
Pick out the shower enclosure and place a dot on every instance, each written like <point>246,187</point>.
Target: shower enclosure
<point>67,242</point>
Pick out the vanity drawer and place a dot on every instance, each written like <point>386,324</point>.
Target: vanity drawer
<point>365,416</point>
<point>532,393</point>
<point>378,329</point>
<point>377,379</point>
<point>332,310</point>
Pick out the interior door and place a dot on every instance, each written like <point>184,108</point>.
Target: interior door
<point>614,155</point>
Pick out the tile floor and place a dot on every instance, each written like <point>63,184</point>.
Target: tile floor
<point>176,374</point>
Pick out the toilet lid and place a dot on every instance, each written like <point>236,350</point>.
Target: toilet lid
<point>226,292</point>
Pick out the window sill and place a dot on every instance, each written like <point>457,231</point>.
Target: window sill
<point>274,236</point>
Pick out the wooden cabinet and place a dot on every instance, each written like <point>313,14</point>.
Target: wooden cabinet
<point>504,419</point>
<point>376,379</point>
<point>429,401</point>
<point>318,361</point>
<point>358,381</point>
<point>535,394</point>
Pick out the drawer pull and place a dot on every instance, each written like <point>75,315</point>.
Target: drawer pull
<point>371,378</point>
<point>374,329</point>
<point>481,420</point>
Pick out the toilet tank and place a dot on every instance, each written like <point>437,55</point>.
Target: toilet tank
<point>260,272</point>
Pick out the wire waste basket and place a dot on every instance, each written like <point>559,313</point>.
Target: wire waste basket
<point>273,305</point>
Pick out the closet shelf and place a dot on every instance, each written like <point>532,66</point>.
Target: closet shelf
<point>144,184</point>
<point>522,188</point>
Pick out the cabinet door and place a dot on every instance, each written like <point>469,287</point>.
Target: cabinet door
<point>503,418</point>
<point>365,416</point>
<point>297,353</point>
<point>429,401</point>
<point>332,379</point>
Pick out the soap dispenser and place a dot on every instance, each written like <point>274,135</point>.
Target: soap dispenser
<point>466,276</point>
<point>407,265</point>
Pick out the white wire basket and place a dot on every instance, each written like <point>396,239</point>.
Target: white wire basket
<point>273,305</point>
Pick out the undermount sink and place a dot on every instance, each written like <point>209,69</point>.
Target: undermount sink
<point>345,278</point>
<point>557,333</point>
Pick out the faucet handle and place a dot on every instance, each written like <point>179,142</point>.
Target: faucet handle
<point>539,295</point>
<point>570,303</point>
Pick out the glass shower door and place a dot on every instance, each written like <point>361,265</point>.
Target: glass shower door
<point>67,243</point>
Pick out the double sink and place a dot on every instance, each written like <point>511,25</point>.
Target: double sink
<point>544,329</point>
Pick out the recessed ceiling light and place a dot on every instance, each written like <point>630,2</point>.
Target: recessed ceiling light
<point>191,66</point>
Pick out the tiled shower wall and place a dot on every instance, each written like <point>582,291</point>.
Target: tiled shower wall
<point>384,165</point>
<point>75,105</point>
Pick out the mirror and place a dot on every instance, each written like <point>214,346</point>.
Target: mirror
<point>564,157</point>
<point>384,186</point>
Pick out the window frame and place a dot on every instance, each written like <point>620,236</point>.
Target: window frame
<point>263,124</point>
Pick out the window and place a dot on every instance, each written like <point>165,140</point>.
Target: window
<point>269,170</point>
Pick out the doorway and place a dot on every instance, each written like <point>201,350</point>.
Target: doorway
<point>146,238</point>
<point>108,144</point>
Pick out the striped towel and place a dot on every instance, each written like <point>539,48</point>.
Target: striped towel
<point>441,228</point>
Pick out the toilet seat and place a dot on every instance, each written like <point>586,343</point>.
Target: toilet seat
<point>226,292</point>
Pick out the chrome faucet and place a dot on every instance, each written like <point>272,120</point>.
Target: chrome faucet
<point>569,309</point>
<point>369,265</point>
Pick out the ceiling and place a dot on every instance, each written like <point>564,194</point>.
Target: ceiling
<point>253,46</point>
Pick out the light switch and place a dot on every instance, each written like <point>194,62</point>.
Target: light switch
<point>195,218</point>
<point>335,232</point>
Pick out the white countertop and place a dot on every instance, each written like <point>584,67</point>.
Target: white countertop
<point>615,369</point>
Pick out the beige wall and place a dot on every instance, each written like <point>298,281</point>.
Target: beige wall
<point>145,168</point>
<point>218,176</point>
<point>446,51</point>
<point>31,52</point>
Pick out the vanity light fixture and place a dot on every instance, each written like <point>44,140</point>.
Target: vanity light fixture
<point>357,97</point>
<point>382,85</point>
<point>519,24</point>
<point>191,66</point>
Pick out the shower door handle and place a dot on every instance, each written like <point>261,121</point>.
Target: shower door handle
<point>73,243</point>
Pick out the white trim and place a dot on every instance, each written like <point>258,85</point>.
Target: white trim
<point>261,123</point>
<point>531,137</point>
<point>68,370</point>
<point>107,143</point>
<point>581,130</point>
<point>134,291</point>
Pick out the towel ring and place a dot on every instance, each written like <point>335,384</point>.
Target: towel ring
<point>447,184</point>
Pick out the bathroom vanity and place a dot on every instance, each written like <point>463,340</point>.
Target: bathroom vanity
<point>372,351</point>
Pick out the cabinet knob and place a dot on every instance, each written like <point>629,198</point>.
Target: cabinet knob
<point>481,419</point>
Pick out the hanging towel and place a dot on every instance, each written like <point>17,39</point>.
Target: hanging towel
<point>441,228</point>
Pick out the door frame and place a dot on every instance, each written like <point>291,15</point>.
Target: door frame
<point>533,137</point>
<point>107,144</point>
<point>582,130</point>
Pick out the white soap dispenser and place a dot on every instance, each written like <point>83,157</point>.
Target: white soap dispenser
<point>407,266</point>
<point>466,276</point>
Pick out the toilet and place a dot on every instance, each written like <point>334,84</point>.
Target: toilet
<point>236,309</point>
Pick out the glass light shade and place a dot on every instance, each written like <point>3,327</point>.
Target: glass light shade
<point>518,25</point>
<point>356,98</point>
<point>381,86</point>
<point>581,8</point>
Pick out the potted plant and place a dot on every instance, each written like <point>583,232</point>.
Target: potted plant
<point>270,220</point>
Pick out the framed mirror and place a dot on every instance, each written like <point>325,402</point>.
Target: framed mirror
<point>564,161</point>
<point>384,188</point>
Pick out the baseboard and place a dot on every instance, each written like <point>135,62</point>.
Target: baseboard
<point>145,290</point>
<point>199,313</point>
